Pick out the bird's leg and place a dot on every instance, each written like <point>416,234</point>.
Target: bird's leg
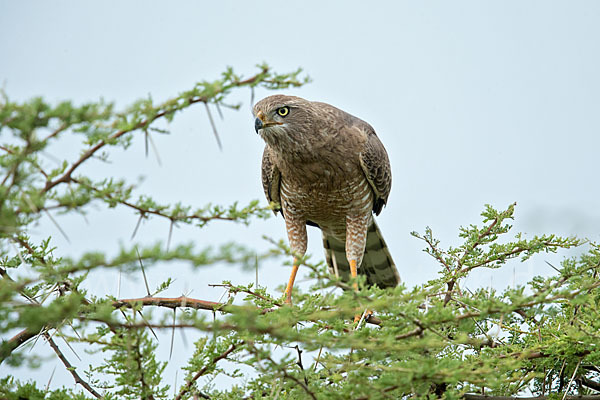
<point>354,274</point>
<point>298,239</point>
<point>290,285</point>
<point>356,240</point>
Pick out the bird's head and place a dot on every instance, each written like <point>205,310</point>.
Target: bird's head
<point>285,122</point>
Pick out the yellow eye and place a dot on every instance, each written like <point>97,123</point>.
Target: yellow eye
<point>283,111</point>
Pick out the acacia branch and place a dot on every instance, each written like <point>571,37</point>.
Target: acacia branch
<point>66,177</point>
<point>183,302</point>
<point>294,379</point>
<point>169,302</point>
<point>503,256</point>
<point>299,363</point>
<point>143,211</point>
<point>20,338</point>
<point>203,370</point>
<point>70,368</point>
<point>470,396</point>
<point>8,346</point>
<point>233,289</point>
<point>146,391</point>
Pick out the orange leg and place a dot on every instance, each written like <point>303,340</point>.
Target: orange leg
<point>290,285</point>
<point>354,274</point>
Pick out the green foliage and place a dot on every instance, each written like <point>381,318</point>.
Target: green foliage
<point>133,365</point>
<point>14,390</point>
<point>436,340</point>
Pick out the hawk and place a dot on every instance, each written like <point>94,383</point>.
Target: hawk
<point>324,167</point>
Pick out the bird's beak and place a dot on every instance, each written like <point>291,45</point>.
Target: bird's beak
<point>259,121</point>
<point>258,124</point>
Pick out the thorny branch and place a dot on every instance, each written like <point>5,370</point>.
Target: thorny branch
<point>460,262</point>
<point>197,304</point>
<point>300,363</point>
<point>470,396</point>
<point>296,380</point>
<point>23,336</point>
<point>67,176</point>
<point>177,302</point>
<point>284,372</point>
<point>183,301</point>
<point>70,367</point>
<point>234,289</point>
<point>425,323</point>
<point>145,211</point>
<point>146,393</point>
<point>186,388</point>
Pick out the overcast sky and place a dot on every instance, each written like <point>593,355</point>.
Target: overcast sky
<point>476,102</point>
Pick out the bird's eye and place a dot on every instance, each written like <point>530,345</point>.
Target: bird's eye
<point>283,111</point>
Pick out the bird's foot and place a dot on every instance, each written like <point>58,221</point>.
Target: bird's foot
<point>290,285</point>
<point>365,315</point>
<point>288,299</point>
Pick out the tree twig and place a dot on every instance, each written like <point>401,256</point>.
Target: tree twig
<point>67,175</point>
<point>234,289</point>
<point>471,396</point>
<point>300,363</point>
<point>182,302</point>
<point>146,393</point>
<point>203,370</point>
<point>72,370</point>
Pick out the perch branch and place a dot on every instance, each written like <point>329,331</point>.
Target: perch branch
<point>182,302</point>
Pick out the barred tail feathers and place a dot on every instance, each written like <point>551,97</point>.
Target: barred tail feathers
<point>377,264</point>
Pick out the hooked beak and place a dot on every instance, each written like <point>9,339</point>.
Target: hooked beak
<point>259,121</point>
<point>258,124</point>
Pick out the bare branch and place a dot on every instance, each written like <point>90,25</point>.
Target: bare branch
<point>182,302</point>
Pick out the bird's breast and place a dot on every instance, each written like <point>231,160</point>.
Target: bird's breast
<point>326,196</point>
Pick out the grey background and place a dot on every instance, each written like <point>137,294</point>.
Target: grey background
<point>476,102</point>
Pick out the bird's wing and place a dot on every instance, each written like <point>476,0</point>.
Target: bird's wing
<point>376,166</point>
<point>271,179</point>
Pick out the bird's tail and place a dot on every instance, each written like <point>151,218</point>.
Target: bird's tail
<point>377,264</point>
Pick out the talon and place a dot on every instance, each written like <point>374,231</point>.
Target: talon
<point>367,315</point>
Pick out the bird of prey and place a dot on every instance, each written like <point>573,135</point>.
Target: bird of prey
<point>324,167</point>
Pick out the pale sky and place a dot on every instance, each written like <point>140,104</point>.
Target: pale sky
<point>476,102</point>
